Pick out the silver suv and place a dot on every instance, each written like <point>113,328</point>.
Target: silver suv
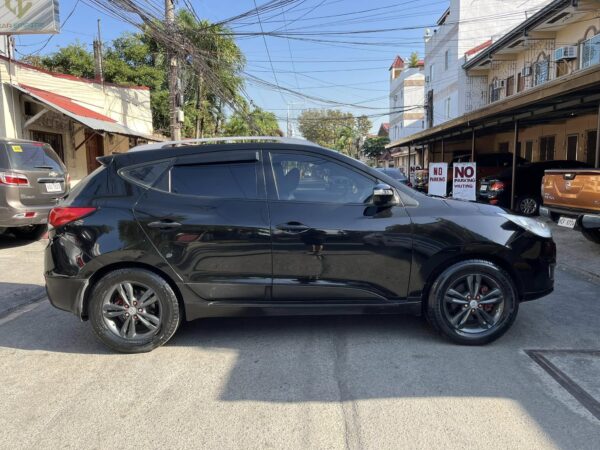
<point>32,180</point>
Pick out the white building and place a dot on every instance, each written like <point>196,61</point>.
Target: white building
<point>80,118</point>
<point>465,27</point>
<point>406,99</point>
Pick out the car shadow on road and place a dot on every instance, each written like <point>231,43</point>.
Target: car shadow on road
<point>336,359</point>
<point>10,241</point>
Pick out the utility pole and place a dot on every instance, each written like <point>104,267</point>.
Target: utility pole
<point>176,114</point>
<point>98,72</point>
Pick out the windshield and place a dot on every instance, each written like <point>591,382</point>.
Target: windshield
<point>33,156</point>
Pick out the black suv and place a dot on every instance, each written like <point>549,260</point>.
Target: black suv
<point>273,226</point>
<point>32,180</point>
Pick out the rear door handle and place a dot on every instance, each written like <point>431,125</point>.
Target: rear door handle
<point>293,227</point>
<point>164,225</point>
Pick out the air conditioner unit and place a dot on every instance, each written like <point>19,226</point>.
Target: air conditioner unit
<point>567,52</point>
<point>527,71</point>
<point>498,84</point>
<point>502,83</point>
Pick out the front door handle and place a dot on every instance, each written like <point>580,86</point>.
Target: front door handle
<point>293,227</point>
<point>164,225</point>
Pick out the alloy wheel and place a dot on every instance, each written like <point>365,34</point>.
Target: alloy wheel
<point>131,310</point>
<point>474,304</point>
<point>528,206</point>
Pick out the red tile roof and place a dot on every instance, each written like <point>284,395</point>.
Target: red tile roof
<point>67,104</point>
<point>70,77</point>
<point>398,63</point>
<point>478,48</point>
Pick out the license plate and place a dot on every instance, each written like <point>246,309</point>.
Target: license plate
<point>567,222</point>
<point>53,187</point>
<point>483,188</point>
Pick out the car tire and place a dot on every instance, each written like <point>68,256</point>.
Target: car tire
<point>451,298</point>
<point>30,233</point>
<point>528,205</point>
<point>592,234</point>
<point>112,305</point>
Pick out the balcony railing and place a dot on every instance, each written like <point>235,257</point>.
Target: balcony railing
<point>513,80</point>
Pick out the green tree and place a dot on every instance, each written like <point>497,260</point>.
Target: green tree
<point>375,146</point>
<point>329,128</point>
<point>74,59</point>
<point>363,126</point>
<point>413,61</point>
<point>138,59</point>
<point>253,123</point>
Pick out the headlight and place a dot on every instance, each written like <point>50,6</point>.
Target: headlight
<point>532,225</point>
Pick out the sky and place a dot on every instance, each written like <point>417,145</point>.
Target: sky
<point>350,73</point>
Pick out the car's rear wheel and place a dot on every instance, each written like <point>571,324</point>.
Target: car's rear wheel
<point>528,205</point>
<point>592,234</point>
<point>472,302</point>
<point>133,310</point>
<point>30,232</point>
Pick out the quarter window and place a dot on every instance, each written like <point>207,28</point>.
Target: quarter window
<point>229,180</point>
<point>308,178</point>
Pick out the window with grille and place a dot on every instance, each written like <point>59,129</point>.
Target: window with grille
<point>541,70</point>
<point>590,52</point>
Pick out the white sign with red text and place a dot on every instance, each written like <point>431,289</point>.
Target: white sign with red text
<point>438,179</point>
<point>464,181</point>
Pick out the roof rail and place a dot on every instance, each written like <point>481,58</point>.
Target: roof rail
<point>224,140</point>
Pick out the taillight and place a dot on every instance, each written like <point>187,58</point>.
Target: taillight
<point>68,186</point>
<point>13,179</point>
<point>62,215</point>
<point>497,186</point>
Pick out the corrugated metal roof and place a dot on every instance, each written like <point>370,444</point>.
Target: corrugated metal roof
<point>81,114</point>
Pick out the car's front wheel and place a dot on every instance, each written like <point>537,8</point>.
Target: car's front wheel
<point>472,302</point>
<point>133,310</point>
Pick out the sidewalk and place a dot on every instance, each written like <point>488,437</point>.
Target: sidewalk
<point>21,272</point>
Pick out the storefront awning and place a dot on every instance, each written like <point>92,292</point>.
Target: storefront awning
<point>85,116</point>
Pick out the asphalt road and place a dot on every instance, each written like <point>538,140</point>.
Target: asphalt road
<point>328,382</point>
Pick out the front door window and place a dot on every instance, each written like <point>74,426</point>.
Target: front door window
<point>306,178</point>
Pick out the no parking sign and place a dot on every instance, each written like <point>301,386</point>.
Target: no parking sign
<point>464,182</point>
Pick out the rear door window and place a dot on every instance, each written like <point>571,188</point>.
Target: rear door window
<point>219,180</point>
<point>28,156</point>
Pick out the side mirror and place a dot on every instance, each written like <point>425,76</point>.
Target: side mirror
<point>384,196</point>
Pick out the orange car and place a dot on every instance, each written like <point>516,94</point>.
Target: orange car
<point>572,199</point>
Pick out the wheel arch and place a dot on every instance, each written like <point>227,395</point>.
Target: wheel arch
<point>444,264</point>
<point>100,273</point>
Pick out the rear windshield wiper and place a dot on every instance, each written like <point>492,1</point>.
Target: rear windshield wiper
<point>43,167</point>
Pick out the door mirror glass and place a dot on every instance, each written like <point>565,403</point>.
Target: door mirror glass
<point>384,196</point>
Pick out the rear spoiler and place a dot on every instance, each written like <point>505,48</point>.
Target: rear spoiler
<point>107,159</point>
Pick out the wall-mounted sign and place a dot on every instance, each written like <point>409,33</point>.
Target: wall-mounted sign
<point>464,181</point>
<point>438,179</point>
<point>29,17</point>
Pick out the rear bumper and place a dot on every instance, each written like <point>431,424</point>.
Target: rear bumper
<point>585,219</point>
<point>66,293</point>
<point>9,215</point>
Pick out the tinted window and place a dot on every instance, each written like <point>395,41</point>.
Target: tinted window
<point>312,179</point>
<point>234,180</point>
<point>394,173</point>
<point>26,156</point>
<point>147,174</point>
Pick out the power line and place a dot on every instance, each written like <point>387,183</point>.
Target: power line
<point>267,49</point>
